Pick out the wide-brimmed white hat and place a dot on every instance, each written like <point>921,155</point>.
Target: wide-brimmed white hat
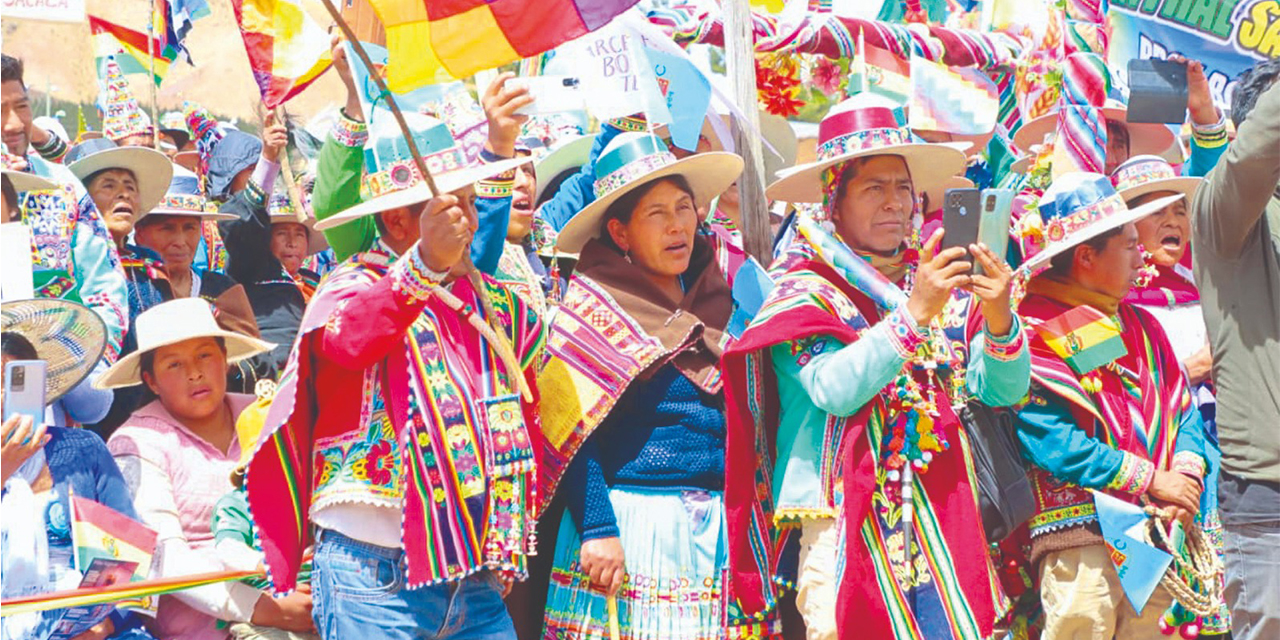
<point>1078,206</point>
<point>280,208</point>
<point>1142,175</point>
<point>569,155</point>
<point>67,336</point>
<point>150,168</point>
<point>632,160</point>
<point>392,178</point>
<point>861,126</point>
<point>1144,138</point>
<point>169,323</point>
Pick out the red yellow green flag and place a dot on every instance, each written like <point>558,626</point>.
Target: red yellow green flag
<point>110,39</point>
<point>1084,337</point>
<point>99,531</point>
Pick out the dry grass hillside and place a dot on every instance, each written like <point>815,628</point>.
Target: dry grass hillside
<point>61,56</point>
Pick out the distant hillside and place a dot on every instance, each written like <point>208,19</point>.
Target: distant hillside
<point>60,57</point>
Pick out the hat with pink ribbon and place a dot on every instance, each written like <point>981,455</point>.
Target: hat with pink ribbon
<point>863,126</point>
<point>1144,175</point>
<point>1077,207</point>
<point>632,160</point>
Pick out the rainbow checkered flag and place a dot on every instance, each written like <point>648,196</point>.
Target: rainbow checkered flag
<point>954,99</point>
<point>287,49</point>
<point>431,41</point>
<point>1085,338</point>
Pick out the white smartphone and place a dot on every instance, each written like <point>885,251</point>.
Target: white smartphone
<point>24,389</point>
<point>551,94</point>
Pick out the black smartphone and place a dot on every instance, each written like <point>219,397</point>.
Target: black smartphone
<point>961,217</point>
<point>1157,91</point>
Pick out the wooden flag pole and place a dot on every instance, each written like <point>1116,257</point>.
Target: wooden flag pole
<point>155,98</point>
<point>740,54</point>
<point>386,93</point>
<point>498,339</point>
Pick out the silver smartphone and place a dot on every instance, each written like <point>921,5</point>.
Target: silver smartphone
<point>24,389</point>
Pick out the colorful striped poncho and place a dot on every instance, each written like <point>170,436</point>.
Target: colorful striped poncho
<point>460,458</point>
<point>950,592</point>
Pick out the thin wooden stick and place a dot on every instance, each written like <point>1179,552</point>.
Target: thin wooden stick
<point>155,97</point>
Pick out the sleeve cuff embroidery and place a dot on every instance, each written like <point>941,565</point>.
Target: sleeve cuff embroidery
<point>411,279</point>
<point>1134,476</point>
<point>348,132</point>
<point>1211,136</point>
<point>630,123</point>
<point>1189,463</point>
<point>494,188</point>
<point>904,334</point>
<point>1005,348</point>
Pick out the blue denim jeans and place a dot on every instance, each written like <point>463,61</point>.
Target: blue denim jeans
<point>358,591</point>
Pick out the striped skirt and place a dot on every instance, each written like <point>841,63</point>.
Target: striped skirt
<point>674,547</point>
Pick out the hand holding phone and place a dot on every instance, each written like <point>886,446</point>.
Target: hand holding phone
<point>1157,92</point>
<point>993,230</point>
<point>551,94</point>
<point>961,216</point>
<point>20,438</point>
<point>24,389</point>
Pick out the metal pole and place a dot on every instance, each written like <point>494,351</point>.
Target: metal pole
<point>739,49</point>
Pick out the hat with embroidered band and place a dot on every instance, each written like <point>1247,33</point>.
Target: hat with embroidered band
<point>280,208</point>
<point>15,171</point>
<point>151,169</point>
<point>862,126</point>
<point>1142,175</point>
<point>632,160</point>
<point>184,199</point>
<point>169,323</point>
<point>1144,139</point>
<point>67,336</point>
<point>1077,207</point>
<point>391,177</point>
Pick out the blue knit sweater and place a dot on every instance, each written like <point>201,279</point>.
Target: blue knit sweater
<point>664,432</point>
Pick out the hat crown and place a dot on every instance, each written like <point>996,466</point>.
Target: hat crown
<point>88,148</point>
<point>629,157</point>
<point>387,144</point>
<point>1074,192</point>
<point>175,321</point>
<point>860,123</point>
<point>1140,170</point>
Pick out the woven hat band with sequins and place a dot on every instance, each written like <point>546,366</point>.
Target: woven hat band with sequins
<point>1075,208</point>
<point>1144,175</point>
<point>632,160</point>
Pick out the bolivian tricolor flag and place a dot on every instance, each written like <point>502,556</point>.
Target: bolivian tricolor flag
<point>1084,337</point>
<point>110,39</point>
<point>287,49</point>
<point>434,41</point>
<point>98,531</point>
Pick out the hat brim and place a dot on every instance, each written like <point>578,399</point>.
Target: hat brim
<point>23,181</point>
<point>1144,138</point>
<point>69,337</point>
<point>1184,185</point>
<point>189,160</point>
<point>708,174</point>
<point>570,155</point>
<point>930,164</point>
<point>1022,164</point>
<point>445,182</point>
<point>1096,229</point>
<point>152,170</point>
<point>127,371</point>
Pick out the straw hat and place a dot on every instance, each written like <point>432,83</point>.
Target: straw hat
<point>280,208</point>
<point>172,322</point>
<point>184,199</point>
<point>392,178</point>
<point>1144,139</point>
<point>632,160</point>
<point>1077,207</point>
<point>150,168</point>
<point>861,126</point>
<point>68,337</point>
<point>1142,175</point>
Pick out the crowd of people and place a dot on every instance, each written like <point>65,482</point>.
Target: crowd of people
<point>530,395</point>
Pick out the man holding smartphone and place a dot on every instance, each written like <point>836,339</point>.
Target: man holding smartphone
<point>869,337</point>
<point>1235,223</point>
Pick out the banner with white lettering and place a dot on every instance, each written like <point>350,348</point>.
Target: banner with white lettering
<point>51,10</point>
<point>1228,36</point>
